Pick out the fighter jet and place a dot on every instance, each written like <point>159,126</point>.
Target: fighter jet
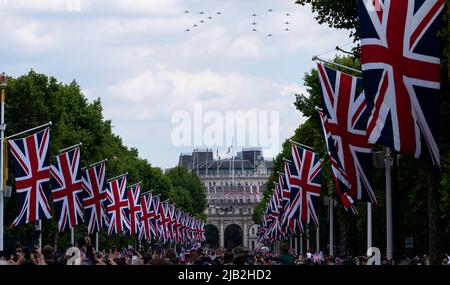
<point>187,30</point>
<point>270,10</point>
<point>201,13</point>
<point>254,30</point>
<point>254,24</point>
<point>287,14</point>
<point>287,30</point>
<point>218,13</point>
<point>186,12</point>
<point>269,35</point>
<point>210,17</point>
<point>254,15</point>
<point>202,21</point>
<point>195,25</point>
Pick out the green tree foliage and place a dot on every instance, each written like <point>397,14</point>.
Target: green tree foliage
<point>35,99</point>
<point>188,183</point>
<point>337,14</point>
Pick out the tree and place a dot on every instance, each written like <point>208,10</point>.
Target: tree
<point>34,99</point>
<point>341,14</point>
<point>189,181</point>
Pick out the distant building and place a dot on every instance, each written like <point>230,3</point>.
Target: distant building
<point>233,186</point>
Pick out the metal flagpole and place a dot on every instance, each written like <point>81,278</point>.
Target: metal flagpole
<point>317,239</point>
<point>389,236</point>
<point>302,145</point>
<point>296,246</point>
<point>331,227</point>
<point>369,225</point>
<point>3,84</point>
<point>307,238</point>
<point>71,147</point>
<point>111,179</point>
<point>72,236</point>
<point>96,242</point>
<point>301,243</point>
<point>40,234</point>
<point>30,130</point>
<point>336,64</point>
<point>93,164</point>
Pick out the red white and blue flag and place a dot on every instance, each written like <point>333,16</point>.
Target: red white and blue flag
<point>147,219</point>
<point>309,170</point>
<point>164,221</point>
<point>32,174</point>
<point>67,189</point>
<point>344,120</point>
<point>292,215</point>
<point>117,206</point>
<point>401,72</point>
<point>95,197</point>
<point>134,208</point>
<point>171,223</point>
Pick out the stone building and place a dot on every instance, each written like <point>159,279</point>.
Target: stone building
<point>233,186</point>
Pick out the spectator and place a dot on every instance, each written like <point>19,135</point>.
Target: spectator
<point>285,258</point>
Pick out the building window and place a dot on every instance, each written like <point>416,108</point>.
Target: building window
<point>253,244</point>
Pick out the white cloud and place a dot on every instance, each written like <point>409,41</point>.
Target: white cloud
<point>154,7</point>
<point>138,58</point>
<point>32,38</point>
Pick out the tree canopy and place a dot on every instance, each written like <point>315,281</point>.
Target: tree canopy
<point>34,99</point>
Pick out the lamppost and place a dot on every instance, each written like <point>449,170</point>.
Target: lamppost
<point>3,84</point>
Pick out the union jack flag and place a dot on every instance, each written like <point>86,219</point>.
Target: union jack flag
<point>183,228</point>
<point>401,73</point>
<point>178,225</point>
<point>95,197</point>
<point>309,169</point>
<point>164,221</point>
<point>134,208</point>
<point>344,122</point>
<point>117,206</point>
<point>67,189</point>
<point>292,216</point>
<point>149,215</point>
<point>171,223</point>
<point>32,174</point>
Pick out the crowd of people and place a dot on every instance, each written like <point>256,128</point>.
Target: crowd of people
<point>85,254</point>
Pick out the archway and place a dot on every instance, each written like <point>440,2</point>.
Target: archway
<point>212,236</point>
<point>233,236</point>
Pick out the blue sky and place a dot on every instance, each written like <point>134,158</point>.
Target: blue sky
<point>136,56</point>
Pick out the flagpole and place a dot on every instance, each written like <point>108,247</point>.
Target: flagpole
<point>94,164</point>
<point>110,179</point>
<point>302,145</point>
<point>296,246</point>
<point>301,243</point>
<point>3,85</point>
<point>369,225</point>
<point>317,239</point>
<point>134,184</point>
<point>72,236</point>
<point>307,238</point>
<point>96,242</point>
<point>40,234</point>
<point>331,226</point>
<point>30,130</point>
<point>316,58</point>
<point>389,236</point>
<point>71,147</point>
